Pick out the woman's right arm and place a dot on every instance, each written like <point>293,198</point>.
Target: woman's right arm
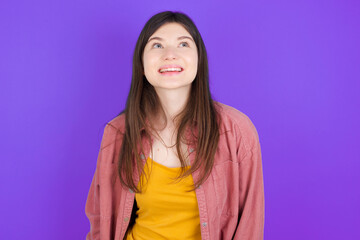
<point>92,207</point>
<point>96,208</point>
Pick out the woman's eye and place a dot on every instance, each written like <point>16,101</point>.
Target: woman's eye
<point>185,43</point>
<point>156,44</point>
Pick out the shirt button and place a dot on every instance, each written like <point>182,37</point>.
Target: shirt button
<point>199,186</point>
<point>204,224</point>
<point>126,219</point>
<point>131,190</point>
<point>191,150</point>
<point>142,156</point>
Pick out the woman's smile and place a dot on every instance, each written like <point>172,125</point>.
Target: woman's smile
<point>170,70</point>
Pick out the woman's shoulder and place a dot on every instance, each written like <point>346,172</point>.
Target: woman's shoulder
<point>232,115</point>
<point>113,130</point>
<point>238,122</point>
<point>118,122</point>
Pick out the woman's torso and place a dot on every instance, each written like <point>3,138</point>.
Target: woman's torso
<point>166,209</point>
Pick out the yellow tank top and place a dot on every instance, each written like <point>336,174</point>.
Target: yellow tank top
<point>165,211</point>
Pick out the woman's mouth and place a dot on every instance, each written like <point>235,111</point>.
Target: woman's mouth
<point>171,71</point>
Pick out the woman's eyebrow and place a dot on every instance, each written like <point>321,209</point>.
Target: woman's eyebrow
<point>160,39</point>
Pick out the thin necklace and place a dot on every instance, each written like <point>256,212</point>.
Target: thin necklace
<point>163,143</point>
<point>167,147</point>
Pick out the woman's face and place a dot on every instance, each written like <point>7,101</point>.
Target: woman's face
<point>170,58</point>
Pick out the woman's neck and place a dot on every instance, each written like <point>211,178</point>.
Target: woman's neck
<point>173,102</point>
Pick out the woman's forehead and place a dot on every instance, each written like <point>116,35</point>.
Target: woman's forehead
<point>170,31</point>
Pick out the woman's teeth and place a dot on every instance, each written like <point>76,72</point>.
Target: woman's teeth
<point>170,70</point>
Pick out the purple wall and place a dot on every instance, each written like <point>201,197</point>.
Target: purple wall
<point>291,66</point>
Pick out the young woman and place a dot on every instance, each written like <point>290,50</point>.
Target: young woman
<point>175,164</point>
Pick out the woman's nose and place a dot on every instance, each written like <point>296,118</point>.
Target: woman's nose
<point>170,53</point>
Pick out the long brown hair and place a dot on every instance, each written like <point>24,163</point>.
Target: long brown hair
<point>199,113</point>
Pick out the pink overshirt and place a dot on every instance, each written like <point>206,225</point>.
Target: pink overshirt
<point>231,201</point>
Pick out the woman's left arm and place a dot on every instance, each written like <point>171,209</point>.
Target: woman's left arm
<point>251,203</point>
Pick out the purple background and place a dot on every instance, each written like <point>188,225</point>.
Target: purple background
<point>292,66</point>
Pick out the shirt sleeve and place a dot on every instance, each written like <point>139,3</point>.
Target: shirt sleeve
<point>92,207</point>
<point>99,185</point>
<point>251,203</point>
